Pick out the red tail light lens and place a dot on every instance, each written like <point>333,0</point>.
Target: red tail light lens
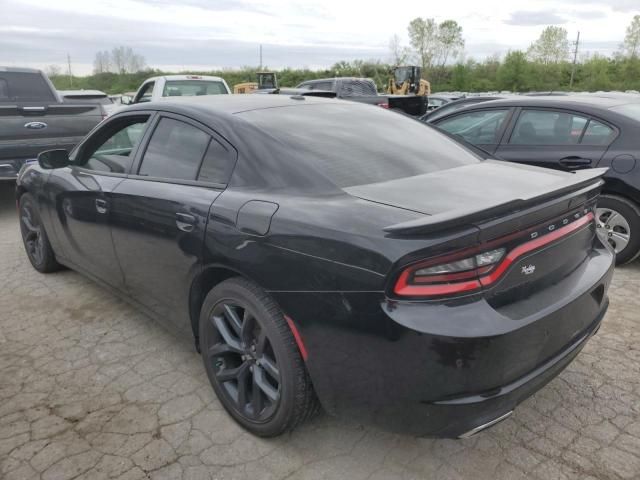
<point>463,273</point>
<point>383,105</point>
<point>447,278</point>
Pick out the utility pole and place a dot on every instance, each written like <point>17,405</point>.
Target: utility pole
<point>260,57</point>
<point>575,59</point>
<point>69,70</point>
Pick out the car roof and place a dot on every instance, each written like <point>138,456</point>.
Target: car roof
<point>569,101</point>
<point>336,78</point>
<point>19,70</point>
<point>185,77</point>
<point>92,93</point>
<point>230,104</point>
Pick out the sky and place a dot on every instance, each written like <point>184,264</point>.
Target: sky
<point>176,35</point>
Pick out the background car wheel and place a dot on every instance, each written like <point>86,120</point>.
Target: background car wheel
<point>618,222</point>
<point>252,359</point>
<point>35,238</point>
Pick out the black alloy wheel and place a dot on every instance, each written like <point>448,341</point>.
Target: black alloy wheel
<point>34,237</point>
<point>252,359</point>
<point>32,234</point>
<point>243,361</point>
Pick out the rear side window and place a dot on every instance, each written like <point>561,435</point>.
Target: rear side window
<point>175,151</point>
<point>477,127</point>
<point>217,163</point>
<point>540,127</point>
<point>24,87</point>
<point>597,133</point>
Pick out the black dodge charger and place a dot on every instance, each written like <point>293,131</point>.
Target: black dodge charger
<point>318,258</point>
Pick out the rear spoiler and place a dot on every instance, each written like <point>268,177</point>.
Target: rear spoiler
<point>580,183</point>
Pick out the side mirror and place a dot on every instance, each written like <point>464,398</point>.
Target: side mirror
<point>126,100</point>
<point>54,159</point>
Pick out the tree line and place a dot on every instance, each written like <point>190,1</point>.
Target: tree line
<point>438,48</point>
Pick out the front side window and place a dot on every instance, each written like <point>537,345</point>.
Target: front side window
<point>112,149</point>
<point>546,127</point>
<point>190,88</point>
<point>477,127</point>
<point>146,93</point>
<point>175,151</point>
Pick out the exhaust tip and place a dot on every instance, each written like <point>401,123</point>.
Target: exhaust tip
<point>484,426</point>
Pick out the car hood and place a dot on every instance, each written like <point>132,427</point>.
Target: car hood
<point>468,188</point>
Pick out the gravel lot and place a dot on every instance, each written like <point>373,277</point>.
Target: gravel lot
<point>91,388</point>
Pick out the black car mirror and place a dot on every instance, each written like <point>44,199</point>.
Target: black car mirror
<point>54,159</point>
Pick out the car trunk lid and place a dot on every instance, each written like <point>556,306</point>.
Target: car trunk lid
<point>540,220</point>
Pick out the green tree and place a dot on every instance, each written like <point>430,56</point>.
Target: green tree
<point>513,73</point>
<point>631,45</point>
<point>449,41</point>
<point>551,47</point>
<point>423,36</point>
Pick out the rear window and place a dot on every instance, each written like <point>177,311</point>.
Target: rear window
<point>354,88</point>
<point>353,144</point>
<point>190,88</point>
<point>631,110</point>
<point>24,87</point>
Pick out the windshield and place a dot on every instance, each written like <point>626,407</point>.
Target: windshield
<point>631,110</point>
<point>190,88</point>
<point>351,144</point>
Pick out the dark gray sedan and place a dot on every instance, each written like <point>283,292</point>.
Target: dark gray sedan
<point>568,133</point>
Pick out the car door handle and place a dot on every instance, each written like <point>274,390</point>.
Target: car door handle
<point>185,222</point>
<point>575,162</point>
<point>101,205</point>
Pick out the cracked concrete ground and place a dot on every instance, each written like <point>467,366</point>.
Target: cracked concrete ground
<point>92,389</point>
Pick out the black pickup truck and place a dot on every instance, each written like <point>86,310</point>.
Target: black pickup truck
<point>33,119</point>
<point>364,90</point>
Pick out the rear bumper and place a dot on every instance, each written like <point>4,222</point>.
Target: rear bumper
<point>434,369</point>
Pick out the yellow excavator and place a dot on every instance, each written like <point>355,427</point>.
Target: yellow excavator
<point>407,80</point>
<point>266,81</point>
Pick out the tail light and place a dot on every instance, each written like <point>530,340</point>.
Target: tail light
<point>467,271</point>
<point>383,104</point>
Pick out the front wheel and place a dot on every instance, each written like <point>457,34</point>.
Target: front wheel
<point>252,359</point>
<point>618,223</point>
<point>34,237</point>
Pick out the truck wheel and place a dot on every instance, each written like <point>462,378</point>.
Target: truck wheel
<point>34,237</point>
<point>618,222</point>
<point>252,359</point>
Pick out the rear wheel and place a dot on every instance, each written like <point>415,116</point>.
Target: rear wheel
<point>34,237</point>
<point>618,222</point>
<point>252,359</point>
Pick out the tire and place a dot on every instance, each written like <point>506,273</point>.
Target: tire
<point>247,345</point>
<point>626,224</point>
<point>34,237</point>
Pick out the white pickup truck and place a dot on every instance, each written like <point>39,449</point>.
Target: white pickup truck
<point>155,88</point>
